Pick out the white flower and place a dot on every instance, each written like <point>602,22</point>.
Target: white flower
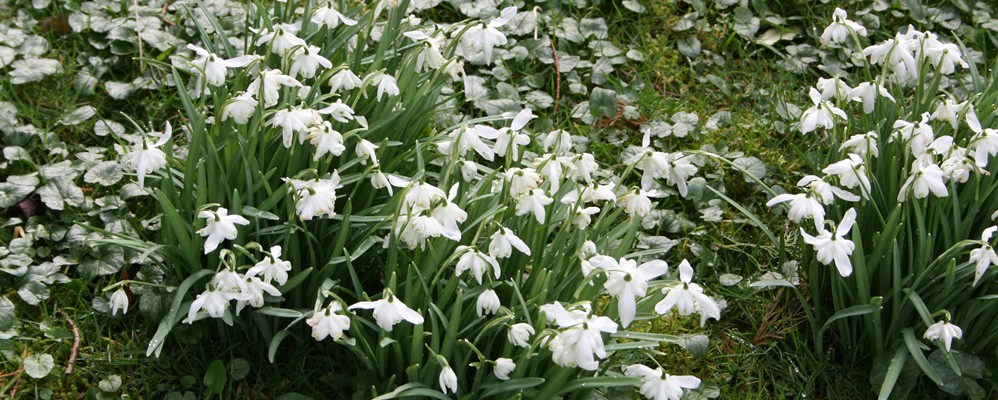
<point>503,367</point>
<point>487,303</point>
<point>656,387</point>
<point>253,292</point>
<point>581,337</point>
<point>389,311</point>
<point>447,380</point>
<point>416,229</point>
<point>479,263</point>
<point>628,282</point>
<point>211,301</point>
<point>145,156</point>
<point>984,143</point>
<point>949,110</point>
<point>327,15</point>
<point>219,225</point>
<point>838,31</point>
<point>582,217</point>
<point>316,197</point>
<point>945,331</point>
<point>282,40</point>
<point>366,150</point>
<point>450,214</point>
<point>984,256</point>
<point>466,138</point>
<point>293,120</point>
<point>944,56</point>
<point>270,81</point>
<point>325,139</point>
<point>862,144</point>
<point>833,88</point>
<point>421,196</point>
<point>923,179</point>
<point>240,108</point>
<point>901,61</point>
<point>345,79</point>
<point>338,111</point>
<point>835,247</point>
<point>212,67</point>
<point>918,135</point>
<point>386,85</point>
<point>503,241</point>
<point>272,268</point>
<point>469,170</point>
<point>327,322</point>
<point>851,172</point>
<point>801,206</point>
<point>307,60</point>
<point>687,297</point>
<point>119,301</point>
<point>533,202</point>
<point>636,203</point>
<point>522,180</point>
<point>508,142</point>
<point>519,334</point>
<point>430,56</point>
<point>230,284</point>
<point>822,114</point>
<point>867,92</point>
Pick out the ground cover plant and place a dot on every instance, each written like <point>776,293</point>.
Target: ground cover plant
<point>496,199</point>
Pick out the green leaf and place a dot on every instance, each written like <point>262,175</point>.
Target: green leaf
<point>239,368</point>
<point>280,312</point>
<point>275,342</point>
<point>33,292</point>
<point>110,384</point>
<point>12,193</point>
<point>752,168</point>
<point>215,378</point>
<point>603,102</point>
<point>964,381</point>
<point>600,382</point>
<point>6,313</point>
<point>38,365</point>
<point>106,173</point>
<point>413,390</point>
<point>166,325</point>
<point>59,193</point>
<point>512,385</point>
<point>689,46</point>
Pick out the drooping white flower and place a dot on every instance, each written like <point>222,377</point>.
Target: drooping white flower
<point>219,225</point>
<point>898,55</point>
<point>949,110</point>
<point>119,301</point>
<point>315,197</point>
<point>533,202</point>
<point>145,156</point>
<point>414,230</point>
<point>841,27</point>
<point>834,246</point>
<point>582,217</point>
<point>270,82</point>
<point>636,203</point>
<point>447,380</point>
<point>211,301</point>
<point>519,334</point>
<point>688,297</point>
<point>253,292</point>
<point>627,282</point>
<point>487,303</point>
<point>240,108</point>
<point>833,88</point>
<point>984,257</point>
<point>345,79</point>
<point>467,138</point>
<point>389,310</point>
<point>282,39</point>
<point>325,139</point>
<point>272,268</point>
<point>984,143</point>
<point>801,206</point>
<point>293,120</point>
<point>867,92</point>
<point>366,151</point>
<point>522,180</point>
<point>655,386</point>
<point>508,142</point>
<point>328,322</point>
<point>502,242</point>
<point>945,331</point>
<point>944,56</point>
<point>386,84</point>
<point>338,111</point>
<point>306,60</point>
<point>479,263</point>
<point>863,144</point>
<point>851,172</point>
<point>430,56</point>
<point>328,16</point>
<point>421,196</point>
<point>581,337</point>
<point>917,135</point>
<point>212,67</point>
<point>450,215</point>
<point>503,367</point>
<point>822,114</point>
<point>924,178</point>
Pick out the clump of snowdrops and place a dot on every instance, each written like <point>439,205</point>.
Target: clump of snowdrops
<point>307,194</point>
<point>898,221</point>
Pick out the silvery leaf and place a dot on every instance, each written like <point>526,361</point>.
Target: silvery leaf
<point>16,153</point>
<point>32,70</point>
<point>106,126</point>
<point>689,46</point>
<point>78,115</point>
<point>595,27</point>
<point>38,5</point>
<point>730,279</point>
<point>106,173</point>
<point>58,170</point>
<point>746,24</point>
<point>11,194</point>
<point>604,102</point>
<point>540,99</point>
<point>33,293</point>
<point>6,313</point>
<point>635,55</point>
<point>119,90</point>
<point>59,193</point>
<point>38,365</point>
<point>568,30</point>
<point>7,56</point>
<point>634,5</point>
<point>107,260</point>
<point>33,46</point>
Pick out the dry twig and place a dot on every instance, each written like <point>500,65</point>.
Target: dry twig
<point>76,344</point>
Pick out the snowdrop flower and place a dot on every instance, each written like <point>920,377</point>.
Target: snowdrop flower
<point>519,334</point>
<point>386,84</point>
<point>680,172</point>
<point>325,139</point>
<point>219,225</point>
<point>558,142</point>
<point>949,110</point>
<point>801,206</point>
<point>522,180</point>
<point>416,229</point>
<point>984,143</point>
<point>503,242</point>
<point>293,120</point>
<point>345,79</point>
<point>306,60</point>
<point>628,282</point>
<point>590,194</point>
<point>503,367</point>
<point>422,195</point>
<point>315,197</point>
<point>328,322</point>
<point>521,119</point>
<point>656,387</point>
<point>533,202</point>
<point>467,138</point>
<point>119,301</point>
<point>687,297</point>
<point>867,93</point>
<point>582,217</point>
<point>469,170</point>
<point>582,166</point>
<point>862,144</point>
<point>212,67</point>
<point>281,40</point>
<point>835,247</point>
<point>822,114</point>
<point>211,301</point>
<point>653,165</point>
<point>230,284</point>
<point>389,310</point>
<point>240,108</point>
<point>328,16</point>
<point>851,173</point>
<point>253,292</point>
<point>430,57</point>
<point>984,256</point>
<point>918,135</point>
<point>833,88</point>
<point>366,151</point>
<point>924,178</point>
<point>270,81</point>
<point>508,142</point>
<point>838,31</point>
<point>447,380</point>
<point>944,56</point>
<point>958,167</point>
<point>455,69</point>
<point>581,337</point>
<point>144,156</point>
<point>450,214</point>
<point>636,203</point>
<point>479,263</point>
<point>945,331</point>
<point>901,59</point>
<point>339,111</point>
<point>487,303</point>
<point>272,268</point>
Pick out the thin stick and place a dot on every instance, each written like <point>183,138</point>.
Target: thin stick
<point>557,77</point>
<point>76,345</point>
